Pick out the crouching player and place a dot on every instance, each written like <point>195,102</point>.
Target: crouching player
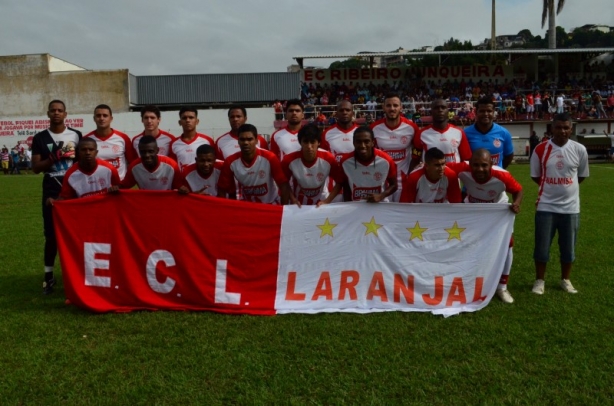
<point>486,183</point>
<point>152,171</point>
<point>201,177</point>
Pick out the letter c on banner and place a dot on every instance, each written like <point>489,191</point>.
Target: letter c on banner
<point>152,261</point>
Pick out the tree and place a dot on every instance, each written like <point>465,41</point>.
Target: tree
<point>548,13</point>
<point>356,63</point>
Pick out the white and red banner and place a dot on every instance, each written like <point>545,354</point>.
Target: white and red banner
<point>160,250</point>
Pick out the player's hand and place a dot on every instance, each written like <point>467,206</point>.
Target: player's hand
<point>321,203</point>
<point>294,200</point>
<point>183,190</point>
<point>203,190</point>
<point>50,201</point>
<point>375,197</point>
<point>515,208</point>
<point>113,189</point>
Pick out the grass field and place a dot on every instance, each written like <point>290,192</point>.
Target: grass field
<point>553,349</point>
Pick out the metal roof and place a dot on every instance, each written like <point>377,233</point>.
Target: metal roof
<point>216,88</point>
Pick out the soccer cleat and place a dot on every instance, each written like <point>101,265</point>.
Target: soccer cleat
<point>505,296</point>
<point>48,286</point>
<point>567,286</point>
<point>538,287</point>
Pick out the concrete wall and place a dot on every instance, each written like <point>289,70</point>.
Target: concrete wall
<point>27,85</point>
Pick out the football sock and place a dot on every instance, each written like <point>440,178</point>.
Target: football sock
<point>507,267</point>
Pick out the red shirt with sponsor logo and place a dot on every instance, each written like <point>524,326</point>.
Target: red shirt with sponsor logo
<point>365,178</point>
<point>451,141</point>
<point>163,139</point>
<point>116,149</point>
<point>165,176</point>
<point>184,152</point>
<point>284,142</point>
<point>309,179</point>
<point>338,141</point>
<point>258,180</point>
<point>228,144</point>
<point>558,169</point>
<point>418,189</point>
<point>200,184</point>
<point>396,142</point>
<point>492,191</point>
<point>78,183</point>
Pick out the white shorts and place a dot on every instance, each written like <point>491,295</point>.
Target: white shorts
<point>530,108</point>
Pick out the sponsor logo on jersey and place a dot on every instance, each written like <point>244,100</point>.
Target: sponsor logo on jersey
<point>164,180</point>
<point>558,181</point>
<point>404,139</point>
<point>397,154</point>
<point>476,200</point>
<point>102,182</point>
<point>98,192</point>
<point>261,174</point>
<point>257,190</point>
<point>116,149</point>
<point>454,143</point>
<point>492,193</point>
<point>361,193</point>
<point>560,165</point>
<point>450,157</point>
<point>378,176</point>
<point>310,193</point>
<point>320,177</point>
<point>115,162</point>
<point>496,142</point>
<point>162,151</point>
<point>494,159</point>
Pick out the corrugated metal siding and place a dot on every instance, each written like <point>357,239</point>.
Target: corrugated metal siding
<point>133,89</point>
<point>217,88</point>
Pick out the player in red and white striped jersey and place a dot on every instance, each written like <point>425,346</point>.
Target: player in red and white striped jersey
<point>486,183</point>
<point>433,183</point>
<point>394,135</point>
<point>113,146</point>
<point>228,144</point>
<point>257,171</point>
<point>284,141</point>
<point>183,148</point>
<point>202,176</point>
<point>150,117</point>
<point>152,171</point>
<point>309,168</point>
<point>89,176</point>
<point>447,137</point>
<point>338,139</point>
<point>370,174</point>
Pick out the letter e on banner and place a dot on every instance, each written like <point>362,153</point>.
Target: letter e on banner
<point>152,262</point>
<point>90,249</point>
<point>221,296</point>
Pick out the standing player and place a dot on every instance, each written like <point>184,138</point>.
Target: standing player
<point>53,152</point>
<point>285,141</point>
<point>433,183</point>
<point>338,138</point>
<point>89,176</point>
<point>394,135</point>
<point>257,171</point>
<point>486,183</point>
<point>486,134</point>
<point>152,171</point>
<point>202,177</point>
<point>150,117</point>
<point>558,167</point>
<point>113,146</point>
<point>370,174</point>
<point>228,144</point>
<point>447,137</point>
<point>183,149</point>
<point>309,168</point>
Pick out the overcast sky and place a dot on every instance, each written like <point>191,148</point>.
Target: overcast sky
<point>157,37</point>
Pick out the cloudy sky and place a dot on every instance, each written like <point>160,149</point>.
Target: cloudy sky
<point>158,37</point>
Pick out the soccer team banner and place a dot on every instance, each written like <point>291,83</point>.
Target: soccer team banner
<point>164,251</point>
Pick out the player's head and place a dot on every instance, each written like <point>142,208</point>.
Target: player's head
<point>103,116</point>
<point>310,137</point>
<point>56,111</point>
<point>294,112</point>
<point>248,139</point>
<point>562,127</point>
<point>150,117</point>
<point>237,116</point>
<point>87,150</point>
<point>481,164</point>
<point>392,106</point>
<point>439,111</point>
<point>364,142</point>
<point>205,159</point>
<point>148,150</point>
<point>485,111</point>
<point>188,119</point>
<point>344,112</point>
<point>434,164</point>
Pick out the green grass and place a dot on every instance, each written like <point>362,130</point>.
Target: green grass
<point>553,349</point>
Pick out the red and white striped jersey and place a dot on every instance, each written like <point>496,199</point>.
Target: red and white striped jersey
<point>258,180</point>
<point>558,169</point>
<point>492,191</point>
<point>184,152</point>
<point>116,149</point>
<point>338,141</point>
<point>418,189</point>
<point>199,184</point>
<point>284,142</point>
<point>78,183</point>
<point>365,178</point>
<point>309,180</point>
<point>163,140</point>
<point>165,176</point>
<point>451,141</point>
<point>228,144</point>
<point>396,142</point>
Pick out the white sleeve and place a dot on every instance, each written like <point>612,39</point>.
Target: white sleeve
<point>536,167</point>
<point>583,166</point>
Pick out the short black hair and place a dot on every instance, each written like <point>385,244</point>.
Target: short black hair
<point>248,128</point>
<point>391,95</point>
<point>147,139</point>
<point>152,109</point>
<point>364,129</point>
<point>562,117</point>
<point>56,101</point>
<point>295,102</point>
<point>190,109</point>
<point>434,154</point>
<point>484,101</point>
<point>310,132</point>
<point>87,140</point>
<point>104,107</point>
<point>205,149</point>
<point>237,107</point>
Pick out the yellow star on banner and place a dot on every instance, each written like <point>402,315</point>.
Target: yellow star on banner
<point>454,232</point>
<point>372,227</point>
<point>327,228</point>
<point>416,231</point>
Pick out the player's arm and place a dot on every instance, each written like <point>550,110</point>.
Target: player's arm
<point>274,148</point>
<point>129,180</point>
<point>333,193</point>
<point>280,179</point>
<point>535,164</point>
<point>262,144</point>
<point>409,191</point>
<point>115,181</point>
<point>508,150</point>
<point>454,192</point>
<point>464,149</point>
<point>40,165</point>
<point>225,184</point>
<point>416,152</point>
<point>391,181</point>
